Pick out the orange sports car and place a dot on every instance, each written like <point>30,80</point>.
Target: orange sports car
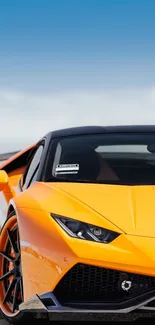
<point>78,225</point>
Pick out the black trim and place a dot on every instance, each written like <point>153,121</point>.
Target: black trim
<point>49,307</point>
<point>45,158</point>
<point>49,300</point>
<point>113,306</point>
<point>48,162</point>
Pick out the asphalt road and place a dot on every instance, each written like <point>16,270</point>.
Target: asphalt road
<point>113,319</point>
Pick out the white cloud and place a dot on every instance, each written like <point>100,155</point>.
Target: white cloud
<point>26,117</point>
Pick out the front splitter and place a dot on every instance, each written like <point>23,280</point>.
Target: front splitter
<point>42,308</point>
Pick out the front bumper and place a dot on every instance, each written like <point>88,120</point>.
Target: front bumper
<point>48,307</point>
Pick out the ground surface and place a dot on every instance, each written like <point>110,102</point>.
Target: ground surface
<point>114,319</point>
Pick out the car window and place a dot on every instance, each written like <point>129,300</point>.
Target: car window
<point>33,168</point>
<point>123,158</point>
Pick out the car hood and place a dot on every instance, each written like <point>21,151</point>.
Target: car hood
<point>131,208</point>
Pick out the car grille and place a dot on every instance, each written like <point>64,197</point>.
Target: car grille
<point>86,283</point>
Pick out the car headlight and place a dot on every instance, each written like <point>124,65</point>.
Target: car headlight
<point>86,231</point>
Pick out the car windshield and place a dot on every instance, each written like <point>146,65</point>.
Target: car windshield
<point>105,158</point>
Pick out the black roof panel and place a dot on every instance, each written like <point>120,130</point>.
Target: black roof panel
<point>102,129</point>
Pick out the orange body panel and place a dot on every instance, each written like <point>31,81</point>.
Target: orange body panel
<point>48,252</point>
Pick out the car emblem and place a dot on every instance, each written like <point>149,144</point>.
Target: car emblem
<point>126,285</point>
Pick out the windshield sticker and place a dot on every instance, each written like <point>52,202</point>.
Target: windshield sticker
<point>67,169</point>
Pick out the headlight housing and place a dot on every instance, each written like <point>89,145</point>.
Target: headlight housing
<point>82,230</point>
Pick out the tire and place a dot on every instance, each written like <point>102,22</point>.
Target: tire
<point>11,282</point>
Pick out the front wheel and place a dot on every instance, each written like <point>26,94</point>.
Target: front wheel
<point>11,282</point>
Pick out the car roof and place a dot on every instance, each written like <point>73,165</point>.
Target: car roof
<point>82,130</point>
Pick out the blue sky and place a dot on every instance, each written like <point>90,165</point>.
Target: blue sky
<point>56,44</point>
<point>73,62</point>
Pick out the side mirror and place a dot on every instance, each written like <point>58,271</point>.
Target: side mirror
<point>4,179</point>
